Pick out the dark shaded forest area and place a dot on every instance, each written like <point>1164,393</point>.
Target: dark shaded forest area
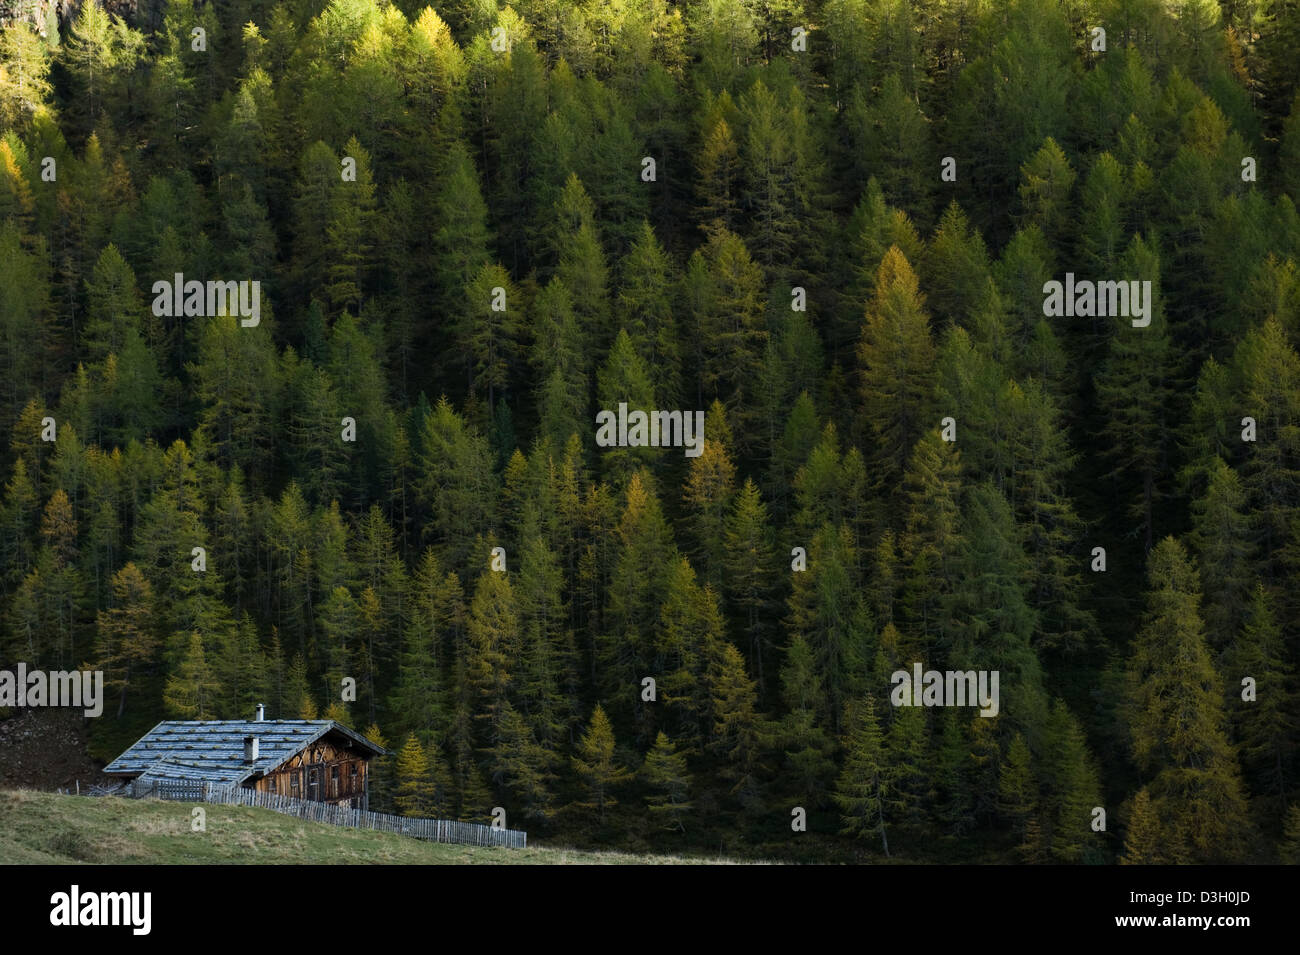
<point>826,224</point>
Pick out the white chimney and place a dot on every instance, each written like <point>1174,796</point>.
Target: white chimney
<point>250,750</point>
<point>261,712</point>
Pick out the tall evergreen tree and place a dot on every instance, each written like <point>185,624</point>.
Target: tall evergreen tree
<point>665,772</point>
<point>1266,724</point>
<point>414,793</point>
<point>896,356</point>
<point>597,765</point>
<point>862,787</point>
<point>1195,785</point>
<point>127,638</point>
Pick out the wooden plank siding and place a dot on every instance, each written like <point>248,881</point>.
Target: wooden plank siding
<point>323,772</point>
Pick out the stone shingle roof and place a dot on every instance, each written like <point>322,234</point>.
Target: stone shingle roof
<point>214,749</point>
<point>173,770</point>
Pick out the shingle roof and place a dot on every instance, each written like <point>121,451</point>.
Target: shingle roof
<point>214,749</point>
<point>172,770</point>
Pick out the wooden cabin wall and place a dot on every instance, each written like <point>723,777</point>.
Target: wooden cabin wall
<point>339,773</point>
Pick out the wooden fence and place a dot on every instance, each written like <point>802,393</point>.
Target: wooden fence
<point>434,830</point>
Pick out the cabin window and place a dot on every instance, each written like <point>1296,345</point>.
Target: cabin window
<point>270,784</point>
<point>293,782</point>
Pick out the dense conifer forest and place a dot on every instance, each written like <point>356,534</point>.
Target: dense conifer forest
<point>825,225</point>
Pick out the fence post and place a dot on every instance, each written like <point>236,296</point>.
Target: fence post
<point>435,830</point>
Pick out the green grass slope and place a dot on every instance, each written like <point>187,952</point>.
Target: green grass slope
<point>49,828</point>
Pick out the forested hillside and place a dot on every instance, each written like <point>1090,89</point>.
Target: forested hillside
<point>825,224</point>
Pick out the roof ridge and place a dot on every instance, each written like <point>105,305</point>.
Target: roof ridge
<point>217,745</point>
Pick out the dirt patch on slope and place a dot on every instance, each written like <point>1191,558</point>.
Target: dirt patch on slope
<point>45,749</point>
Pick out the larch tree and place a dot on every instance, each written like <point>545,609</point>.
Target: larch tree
<point>1261,703</point>
<point>560,363</point>
<point>494,642</point>
<point>896,357</point>
<point>1142,836</point>
<point>740,732</point>
<point>666,773</point>
<point>349,234</point>
<point>708,494</point>
<point>809,749</point>
<point>127,637</point>
<point>1139,361</point>
<point>1018,799</point>
<point>749,563</point>
<point>645,299</point>
<point>724,292</point>
<point>1046,182</point>
<point>191,688</point>
<point>862,787</point>
<point>491,317</point>
<point>1071,788</point>
<point>644,551</point>
<point>909,792</point>
<point>1183,750</point>
<point>597,766</point>
<point>414,783</point>
<point>1223,538</point>
<point>955,267</point>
